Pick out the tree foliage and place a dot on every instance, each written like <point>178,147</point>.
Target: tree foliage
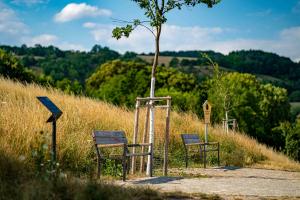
<point>272,68</point>
<point>257,107</point>
<point>11,67</point>
<point>292,142</point>
<point>121,82</point>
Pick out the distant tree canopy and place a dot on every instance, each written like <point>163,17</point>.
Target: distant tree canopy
<point>257,107</point>
<point>66,70</point>
<point>11,67</point>
<point>292,141</point>
<point>278,70</point>
<point>121,82</point>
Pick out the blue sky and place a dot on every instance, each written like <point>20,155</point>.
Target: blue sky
<point>270,25</point>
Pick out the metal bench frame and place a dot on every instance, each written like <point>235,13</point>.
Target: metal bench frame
<point>194,140</point>
<point>109,139</point>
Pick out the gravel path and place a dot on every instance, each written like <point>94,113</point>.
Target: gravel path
<point>229,182</point>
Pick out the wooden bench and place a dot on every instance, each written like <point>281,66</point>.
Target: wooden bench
<point>117,139</point>
<point>190,140</point>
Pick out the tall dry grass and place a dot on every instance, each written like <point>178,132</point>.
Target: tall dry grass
<point>22,118</point>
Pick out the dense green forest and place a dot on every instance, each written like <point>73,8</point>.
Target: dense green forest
<point>261,109</point>
<point>269,67</point>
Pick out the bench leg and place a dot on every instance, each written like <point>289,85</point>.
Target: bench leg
<point>201,153</point>
<point>99,168</point>
<point>186,156</point>
<point>124,169</point>
<point>128,165</point>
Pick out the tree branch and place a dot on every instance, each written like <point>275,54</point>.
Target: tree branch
<point>141,23</point>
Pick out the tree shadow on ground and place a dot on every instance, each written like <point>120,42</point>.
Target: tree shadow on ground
<point>228,168</point>
<point>157,180</point>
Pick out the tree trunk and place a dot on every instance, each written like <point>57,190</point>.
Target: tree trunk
<point>152,89</point>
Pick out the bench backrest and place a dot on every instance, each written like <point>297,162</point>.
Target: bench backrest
<point>190,138</point>
<point>109,137</point>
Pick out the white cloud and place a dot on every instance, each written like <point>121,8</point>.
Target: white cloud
<point>74,11</point>
<point>14,32</point>
<point>44,40</point>
<point>48,39</point>
<point>70,46</point>
<point>11,27</point>
<point>89,25</point>
<point>10,24</point>
<point>141,40</point>
<point>287,44</point>
<point>197,38</point>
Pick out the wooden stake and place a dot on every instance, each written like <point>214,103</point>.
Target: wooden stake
<point>135,134</point>
<point>145,133</point>
<point>167,136</point>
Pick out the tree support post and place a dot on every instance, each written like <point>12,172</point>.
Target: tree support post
<point>145,133</point>
<point>167,138</point>
<point>136,130</point>
<point>151,128</point>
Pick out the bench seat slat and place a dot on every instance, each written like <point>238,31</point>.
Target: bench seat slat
<point>190,136</point>
<point>191,141</point>
<point>110,140</point>
<point>109,134</point>
<point>109,137</point>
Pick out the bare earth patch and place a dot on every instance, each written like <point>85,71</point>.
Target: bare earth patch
<point>229,183</point>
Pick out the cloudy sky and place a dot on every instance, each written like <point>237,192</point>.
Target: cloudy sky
<point>270,25</point>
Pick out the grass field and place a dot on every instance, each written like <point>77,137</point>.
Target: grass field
<point>22,118</point>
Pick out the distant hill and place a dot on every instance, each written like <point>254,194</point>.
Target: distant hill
<point>59,64</point>
<point>268,67</point>
<point>65,68</point>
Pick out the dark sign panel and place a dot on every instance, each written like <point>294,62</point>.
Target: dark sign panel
<point>56,112</point>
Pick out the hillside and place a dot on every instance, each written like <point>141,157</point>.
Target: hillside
<point>163,60</point>
<point>269,67</point>
<point>22,118</point>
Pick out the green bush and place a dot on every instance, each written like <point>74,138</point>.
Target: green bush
<point>292,142</point>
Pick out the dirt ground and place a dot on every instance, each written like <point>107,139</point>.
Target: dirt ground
<point>228,182</point>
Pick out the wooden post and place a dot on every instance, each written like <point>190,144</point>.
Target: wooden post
<point>206,132</point>
<point>207,112</point>
<point>205,155</point>
<point>167,137</point>
<point>234,125</point>
<point>136,130</point>
<point>145,133</point>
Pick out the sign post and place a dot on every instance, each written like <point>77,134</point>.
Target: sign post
<point>56,113</point>
<point>207,112</point>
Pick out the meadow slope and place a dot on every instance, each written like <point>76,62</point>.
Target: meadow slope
<point>22,118</point>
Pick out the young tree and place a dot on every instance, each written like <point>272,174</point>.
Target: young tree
<point>155,11</point>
